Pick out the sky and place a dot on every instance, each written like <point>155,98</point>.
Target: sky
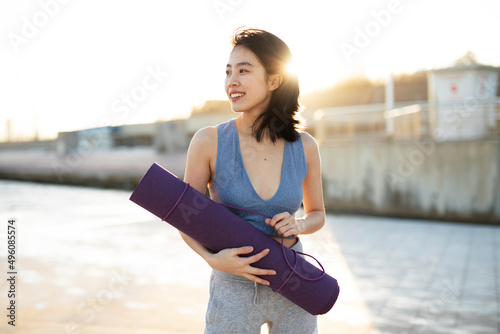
<point>73,64</point>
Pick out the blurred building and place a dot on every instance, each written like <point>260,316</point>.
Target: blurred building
<point>164,136</point>
<point>463,103</point>
<point>210,114</point>
<point>368,122</point>
<point>84,140</point>
<point>432,159</point>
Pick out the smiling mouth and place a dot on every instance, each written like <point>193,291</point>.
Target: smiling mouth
<point>236,95</point>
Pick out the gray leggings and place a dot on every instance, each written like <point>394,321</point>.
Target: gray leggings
<point>238,305</point>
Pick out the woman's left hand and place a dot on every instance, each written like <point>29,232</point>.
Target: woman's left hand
<point>285,224</point>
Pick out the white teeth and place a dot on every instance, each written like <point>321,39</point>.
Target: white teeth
<point>235,95</point>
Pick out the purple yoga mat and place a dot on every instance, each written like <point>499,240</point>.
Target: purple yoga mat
<point>217,228</point>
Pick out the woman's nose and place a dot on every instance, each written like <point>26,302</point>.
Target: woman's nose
<point>232,81</point>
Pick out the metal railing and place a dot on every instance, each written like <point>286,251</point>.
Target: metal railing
<point>462,120</point>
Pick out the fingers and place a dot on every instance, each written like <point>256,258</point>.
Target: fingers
<point>258,256</point>
<point>234,264</point>
<point>256,279</point>
<point>242,250</point>
<point>288,221</point>
<point>259,271</point>
<point>287,229</point>
<point>262,272</point>
<point>247,250</point>
<point>276,218</point>
<point>252,273</point>
<point>285,224</point>
<point>289,232</point>
<point>254,258</point>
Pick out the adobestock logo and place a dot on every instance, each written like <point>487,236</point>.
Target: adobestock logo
<point>30,28</point>
<point>449,295</point>
<point>87,311</point>
<point>121,109</point>
<point>453,118</point>
<point>151,81</point>
<point>364,36</point>
<point>224,6</point>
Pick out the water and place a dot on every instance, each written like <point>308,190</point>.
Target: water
<point>90,259</point>
<point>81,226</point>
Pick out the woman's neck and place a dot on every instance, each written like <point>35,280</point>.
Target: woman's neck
<point>245,123</point>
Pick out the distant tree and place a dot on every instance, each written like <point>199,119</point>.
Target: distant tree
<point>213,107</point>
<point>352,91</point>
<point>410,87</point>
<point>361,90</point>
<point>468,59</point>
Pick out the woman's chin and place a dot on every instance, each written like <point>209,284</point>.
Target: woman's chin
<point>237,109</point>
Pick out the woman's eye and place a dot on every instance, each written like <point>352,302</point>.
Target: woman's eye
<point>227,72</point>
<point>243,71</point>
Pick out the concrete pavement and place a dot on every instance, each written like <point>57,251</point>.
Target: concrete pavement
<point>422,276</point>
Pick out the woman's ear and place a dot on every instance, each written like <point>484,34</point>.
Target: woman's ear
<point>275,81</point>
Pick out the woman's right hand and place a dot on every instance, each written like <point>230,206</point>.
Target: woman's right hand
<point>230,261</point>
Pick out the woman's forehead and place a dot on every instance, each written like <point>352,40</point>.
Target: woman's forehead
<point>241,55</point>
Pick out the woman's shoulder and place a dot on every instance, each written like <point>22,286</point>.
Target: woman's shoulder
<point>308,142</point>
<point>205,137</point>
<point>208,132</point>
<point>311,149</point>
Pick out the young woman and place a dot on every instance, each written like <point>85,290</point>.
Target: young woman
<point>260,161</point>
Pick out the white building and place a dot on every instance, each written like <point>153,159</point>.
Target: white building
<point>462,101</point>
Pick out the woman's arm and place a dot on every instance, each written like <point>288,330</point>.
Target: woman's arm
<point>314,218</point>
<point>201,157</point>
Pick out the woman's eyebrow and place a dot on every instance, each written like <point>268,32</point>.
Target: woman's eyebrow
<point>243,63</point>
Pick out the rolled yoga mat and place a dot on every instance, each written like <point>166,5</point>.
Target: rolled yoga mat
<point>217,228</point>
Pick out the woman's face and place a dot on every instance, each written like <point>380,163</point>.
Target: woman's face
<point>247,84</point>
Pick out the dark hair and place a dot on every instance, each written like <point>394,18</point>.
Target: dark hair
<point>280,119</point>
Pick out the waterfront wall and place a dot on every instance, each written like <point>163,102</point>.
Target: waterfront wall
<point>457,181</point>
<point>115,168</point>
<point>422,179</point>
